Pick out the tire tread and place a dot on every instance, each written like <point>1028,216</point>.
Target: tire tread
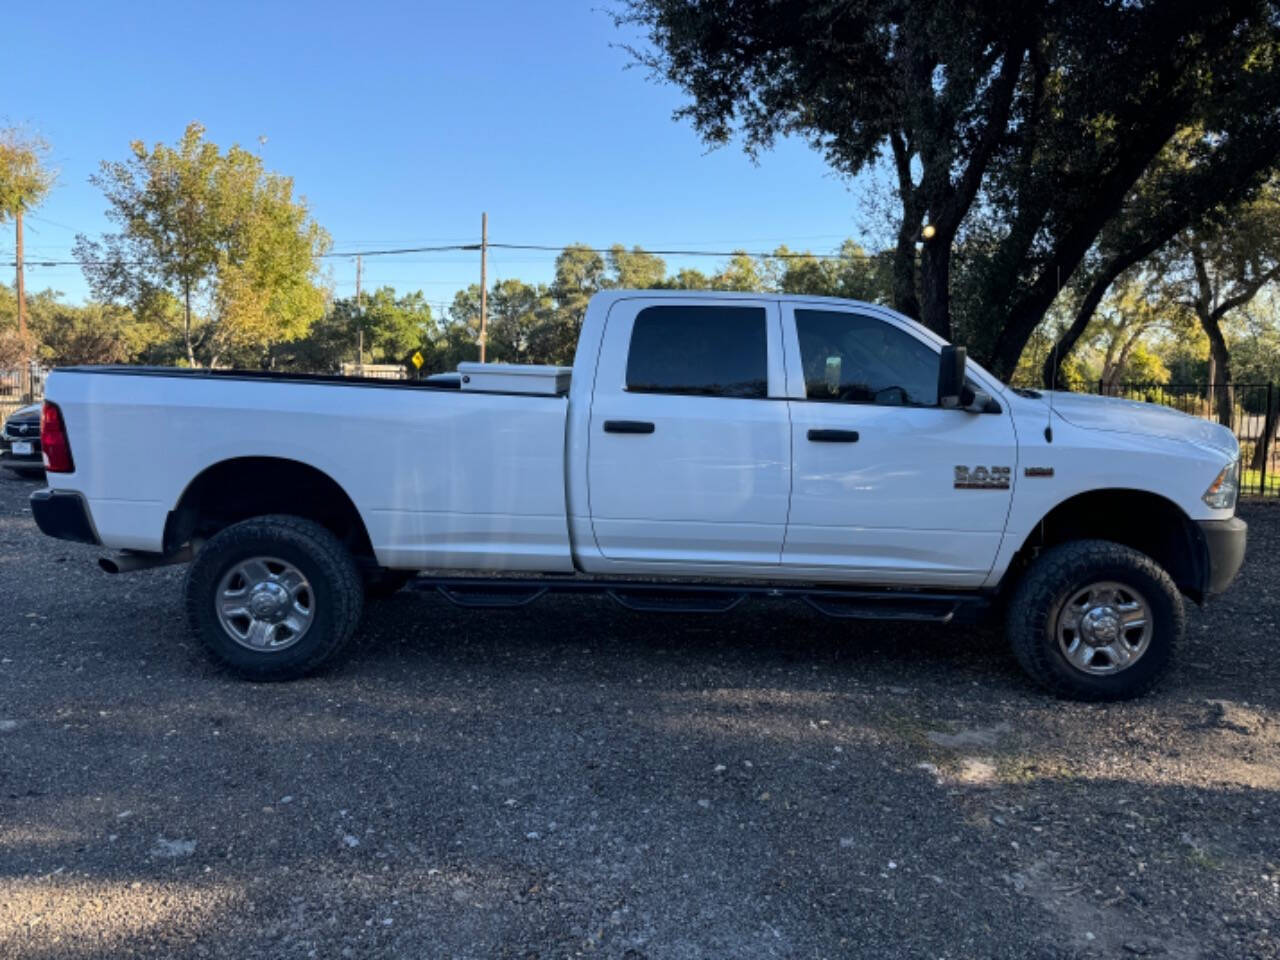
<point>323,548</point>
<point>1035,598</point>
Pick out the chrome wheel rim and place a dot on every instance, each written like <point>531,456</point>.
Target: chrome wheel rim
<point>1104,628</point>
<point>265,604</point>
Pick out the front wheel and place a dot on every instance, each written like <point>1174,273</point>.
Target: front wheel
<point>1095,620</point>
<point>274,597</point>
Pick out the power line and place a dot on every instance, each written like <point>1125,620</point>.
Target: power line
<point>396,251</point>
<point>547,247</point>
<point>756,255</point>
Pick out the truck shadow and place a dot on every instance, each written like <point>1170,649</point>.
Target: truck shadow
<point>515,782</point>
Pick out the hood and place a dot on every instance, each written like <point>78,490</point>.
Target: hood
<point>31,412</point>
<point>1093,412</point>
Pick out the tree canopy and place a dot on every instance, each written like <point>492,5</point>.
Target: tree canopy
<point>1016,131</point>
<point>25,177</point>
<point>209,244</point>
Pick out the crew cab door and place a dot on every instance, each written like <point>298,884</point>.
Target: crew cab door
<point>887,486</point>
<point>689,451</point>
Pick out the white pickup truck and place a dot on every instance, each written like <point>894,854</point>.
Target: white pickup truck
<point>703,448</point>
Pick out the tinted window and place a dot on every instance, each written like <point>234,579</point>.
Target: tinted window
<point>706,351</point>
<point>859,359</point>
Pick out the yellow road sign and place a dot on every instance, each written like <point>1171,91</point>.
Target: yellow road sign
<point>418,359</point>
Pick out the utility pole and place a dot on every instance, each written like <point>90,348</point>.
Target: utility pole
<point>24,377</point>
<point>484,284</point>
<point>359,319</point>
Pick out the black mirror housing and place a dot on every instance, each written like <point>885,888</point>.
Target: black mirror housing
<point>952,391</point>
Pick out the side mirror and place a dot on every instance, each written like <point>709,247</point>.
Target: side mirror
<point>952,392</point>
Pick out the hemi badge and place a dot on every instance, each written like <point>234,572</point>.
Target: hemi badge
<point>1038,472</point>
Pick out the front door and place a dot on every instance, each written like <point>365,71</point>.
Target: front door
<point>689,455</point>
<point>887,486</point>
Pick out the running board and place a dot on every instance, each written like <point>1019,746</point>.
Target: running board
<point>668,597</point>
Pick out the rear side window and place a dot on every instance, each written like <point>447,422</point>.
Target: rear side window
<point>854,358</point>
<point>701,351</point>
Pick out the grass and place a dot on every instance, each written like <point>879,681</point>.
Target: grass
<point>1251,483</point>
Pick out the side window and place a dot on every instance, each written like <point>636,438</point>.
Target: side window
<point>702,351</point>
<point>854,358</point>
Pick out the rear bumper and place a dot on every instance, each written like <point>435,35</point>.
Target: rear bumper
<point>24,464</point>
<point>63,514</point>
<point>1224,542</point>
<point>30,461</point>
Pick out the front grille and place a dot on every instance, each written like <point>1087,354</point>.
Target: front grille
<point>22,430</point>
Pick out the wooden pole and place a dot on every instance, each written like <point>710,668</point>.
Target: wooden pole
<point>484,283</point>
<point>359,320</point>
<point>22,293</point>
<point>24,376</point>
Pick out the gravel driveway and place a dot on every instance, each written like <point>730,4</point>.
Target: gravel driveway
<point>574,779</point>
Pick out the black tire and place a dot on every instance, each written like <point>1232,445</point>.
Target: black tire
<point>1051,582</point>
<point>382,582</point>
<point>338,594</point>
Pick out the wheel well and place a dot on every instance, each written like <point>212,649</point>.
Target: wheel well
<point>1144,521</point>
<point>245,487</point>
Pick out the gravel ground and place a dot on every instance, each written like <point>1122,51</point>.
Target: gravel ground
<point>574,779</point>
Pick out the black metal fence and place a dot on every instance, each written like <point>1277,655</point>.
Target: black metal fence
<point>1250,410</point>
<point>20,386</point>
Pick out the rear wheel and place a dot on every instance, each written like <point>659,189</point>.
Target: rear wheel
<point>274,597</point>
<point>1095,620</point>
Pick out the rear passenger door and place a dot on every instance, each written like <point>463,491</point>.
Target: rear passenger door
<point>689,453</point>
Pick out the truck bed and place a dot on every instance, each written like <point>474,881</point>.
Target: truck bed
<point>463,479</point>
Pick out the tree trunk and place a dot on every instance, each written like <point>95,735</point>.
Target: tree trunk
<point>1051,373</point>
<point>905,299</point>
<point>1121,262</point>
<point>1107,380</point>
<point>1266,443</point>
<point>1219,370</point>
<point>186,325</point>
<point>1121,364</point>
<point>935,289</point>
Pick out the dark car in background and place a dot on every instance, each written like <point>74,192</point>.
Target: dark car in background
<point>20,441</point>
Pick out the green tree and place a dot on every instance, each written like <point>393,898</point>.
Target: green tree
<point>635,269</point>
<point>1217,268</point>
<point>743,272</point>
<point>64,334</point>
<point>393,325</point>
<point>214,233</point>
<point>458,341</point>
<point>688,278</point>
<point>580,273</point>
<point>517,312</point>
<point>93,333</point>
<point>1121,328</point>
<point>25,180</point>
<point>1047,113</point>
<point>1170,199</point>
<point>853,274</point>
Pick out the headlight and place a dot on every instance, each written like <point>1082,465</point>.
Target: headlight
<point>1222,493</point>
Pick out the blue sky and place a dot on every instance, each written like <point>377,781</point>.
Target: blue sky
<point>400,123</point>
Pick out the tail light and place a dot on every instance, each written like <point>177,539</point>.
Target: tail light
<point>53,440</point>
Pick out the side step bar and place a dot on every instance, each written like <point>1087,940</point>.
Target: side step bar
<point>861,604</point>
